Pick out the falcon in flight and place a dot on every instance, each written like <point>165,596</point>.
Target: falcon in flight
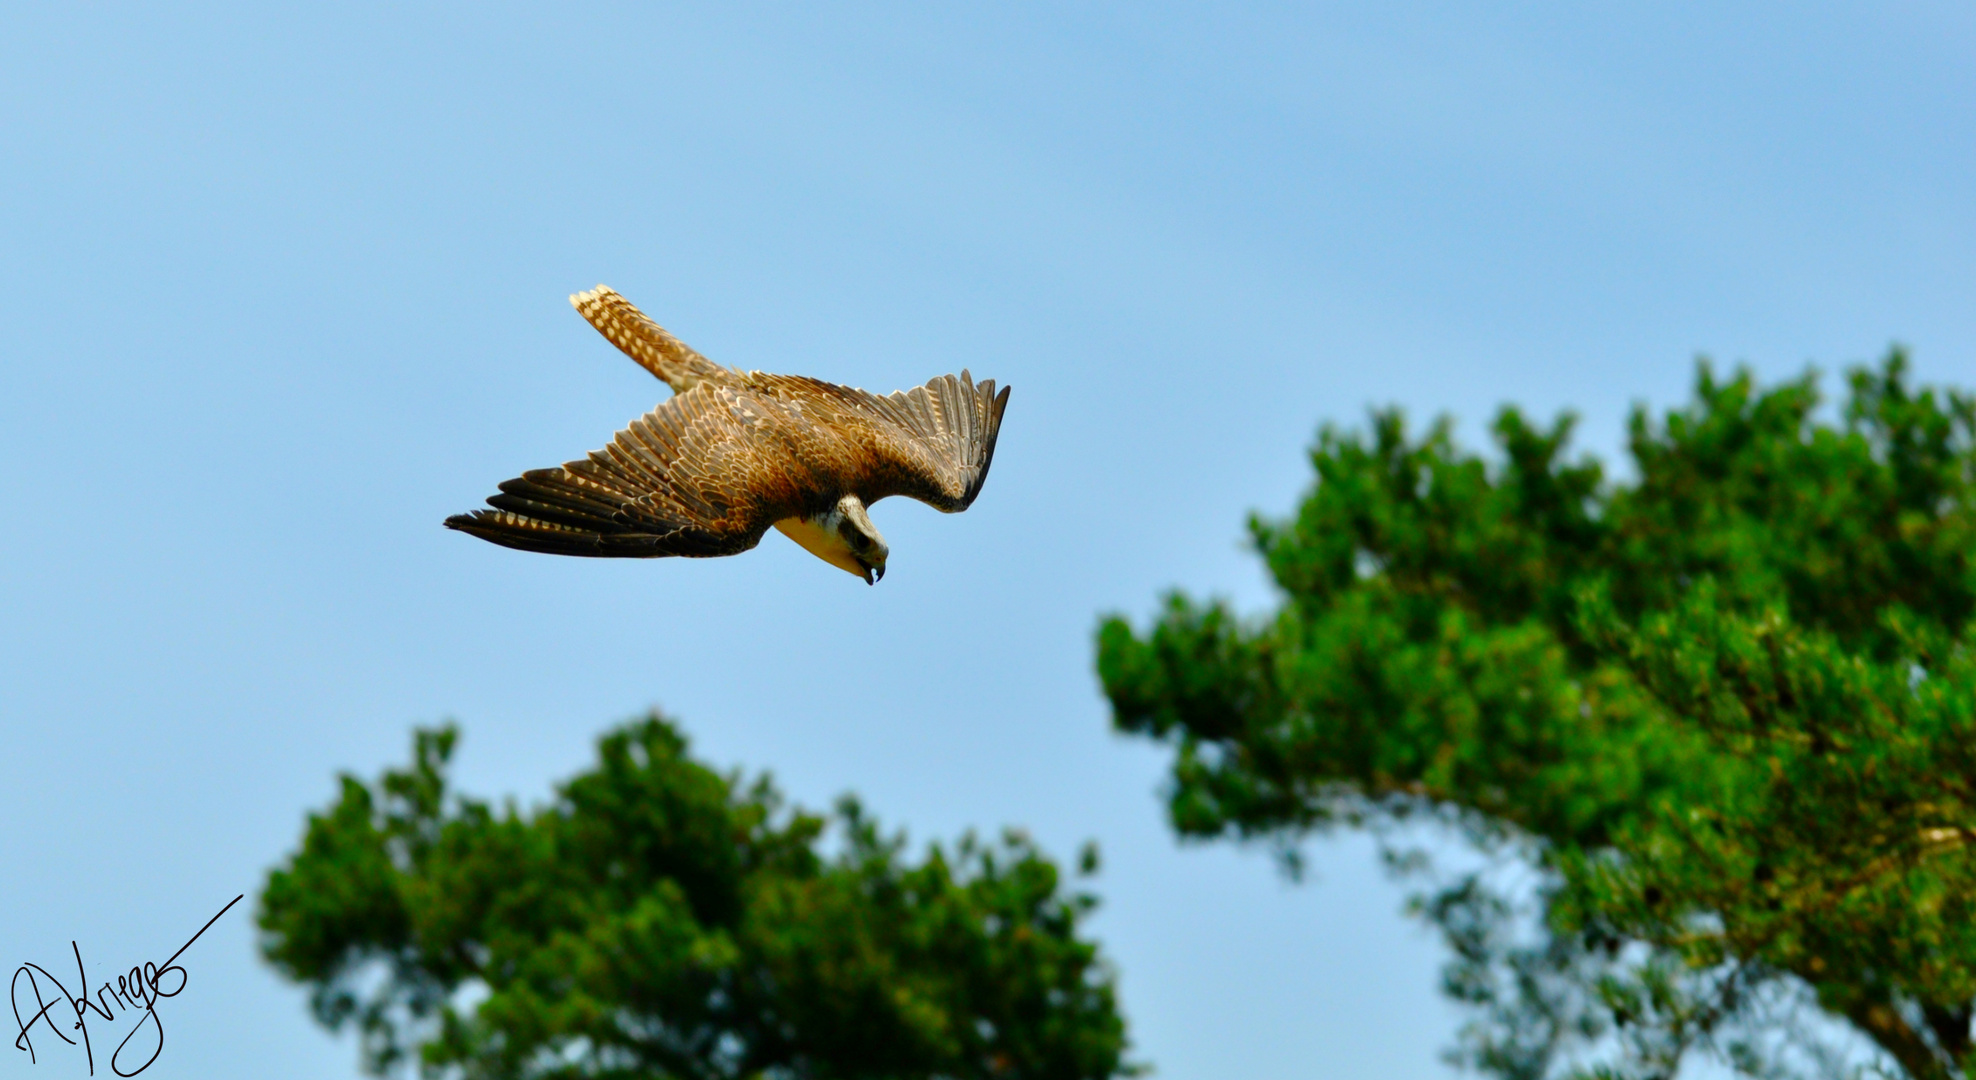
<point>731,453</point>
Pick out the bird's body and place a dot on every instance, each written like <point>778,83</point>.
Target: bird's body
<point>707,472</point>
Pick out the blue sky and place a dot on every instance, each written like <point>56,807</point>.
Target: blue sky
<point>281,289</point>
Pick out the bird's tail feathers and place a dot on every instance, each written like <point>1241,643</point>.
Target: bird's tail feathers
<point>655,350</point>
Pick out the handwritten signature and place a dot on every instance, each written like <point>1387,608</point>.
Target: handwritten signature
<point>140,988</point>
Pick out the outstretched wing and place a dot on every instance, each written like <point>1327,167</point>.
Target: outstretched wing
<point>672,360</point>
<point>688,478</point>
<point>933,443</point>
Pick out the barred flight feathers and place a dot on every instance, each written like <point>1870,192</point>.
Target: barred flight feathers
<point>645,341</point>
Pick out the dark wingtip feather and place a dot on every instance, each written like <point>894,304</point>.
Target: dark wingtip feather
<point>523,533</point>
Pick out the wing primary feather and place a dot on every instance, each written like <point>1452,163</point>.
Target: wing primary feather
<point>949,422</point>
<point>968,409</point>
<point>920,405</point>
<point>550,507</point>
<point>601,470</point>
<point>525,534</point>
<point>953,403</point>
<point>556,483</point>
<point>562,485</point>
<point>548,512</point>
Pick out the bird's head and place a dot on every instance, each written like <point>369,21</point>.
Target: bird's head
<point>866,548</point>
<point>842,536</point>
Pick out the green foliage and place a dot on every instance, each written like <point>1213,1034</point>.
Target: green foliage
<point>1726,708</point>
<point>659,919</point>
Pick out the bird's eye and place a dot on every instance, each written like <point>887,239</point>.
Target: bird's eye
<point>853,537</point>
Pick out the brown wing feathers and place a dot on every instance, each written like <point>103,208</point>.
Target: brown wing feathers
<point>647,494</point>
<point>706,472</point>
<point>957,421</point>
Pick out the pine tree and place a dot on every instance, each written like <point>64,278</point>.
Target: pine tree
<point>1724,707</point>
<point>662,920</point>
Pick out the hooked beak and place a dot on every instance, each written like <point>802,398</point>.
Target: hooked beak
<point>874,574</point>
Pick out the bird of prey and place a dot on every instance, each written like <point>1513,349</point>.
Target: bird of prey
<point>731,453</point>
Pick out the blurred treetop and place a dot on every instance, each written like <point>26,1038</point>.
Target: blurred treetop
<point>659,919</point>
<point>1726,707</point>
